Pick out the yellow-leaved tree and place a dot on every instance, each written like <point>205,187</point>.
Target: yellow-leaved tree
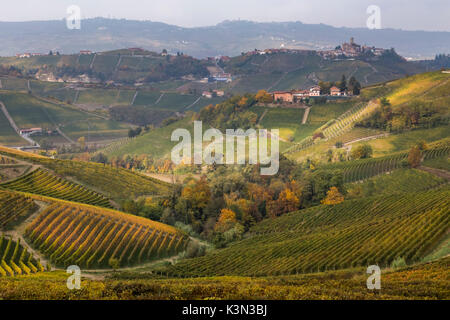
<point>227,220</point>
<point>333,197</point>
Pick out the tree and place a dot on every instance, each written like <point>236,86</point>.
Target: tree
<point>100,158</point>
<point>354,86</point>
<point>82,142</point>
<point>263,96</point>
<point>227,220</point>
<point>343,84</point>
<point>414,157</point>
<point>362,152</point>
<point>333,197</point>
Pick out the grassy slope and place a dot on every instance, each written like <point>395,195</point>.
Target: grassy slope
<point>28,111</point>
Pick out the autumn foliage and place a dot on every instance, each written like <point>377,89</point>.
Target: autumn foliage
<point>333,197</point>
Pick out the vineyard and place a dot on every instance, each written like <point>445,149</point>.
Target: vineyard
<point>91,237</point>
<point>358,170</point>
<point>402,180</point>
<point>336,127</point>
<point>15,259</point>
<point>374,230</point>
<point>116,183</point>
<point>14,208</point>
<point>44,183</point>
<point>4,160</point>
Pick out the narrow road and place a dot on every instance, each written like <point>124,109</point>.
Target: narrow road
<point>160,97</point>
<point>134,97</point>
<point>381,135</point>
<point>193,104</point>
<point>263,115</point>
<point>305,115</point>
<point>92,62</point>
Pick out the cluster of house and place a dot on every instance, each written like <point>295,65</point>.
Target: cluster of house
<point>28,55</point>
<point>346,50</point>
<point>350,50</point>
<point>214,93</point>
<point>297,95</point>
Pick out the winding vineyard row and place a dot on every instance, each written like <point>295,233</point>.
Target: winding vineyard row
<point>15,259</point>
<point>4,160</point>
<point>374,230</point>
<point>92,237</point>
<point>337,127</point>
<point>116,183</point>
<point>365,168</point>
<point>14,207</point>
<point>44,183</point>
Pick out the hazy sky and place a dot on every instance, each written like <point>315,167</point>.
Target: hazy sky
<point>399,14</point>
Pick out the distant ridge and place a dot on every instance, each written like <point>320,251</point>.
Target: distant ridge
<point>226,38</point>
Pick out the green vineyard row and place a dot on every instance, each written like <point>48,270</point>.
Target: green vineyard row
<point>15,259</point>
<point>365,168</point>
<point>13,208</point>
<point>374,230</point>
<point>92,237</point>
<point>44,183</point>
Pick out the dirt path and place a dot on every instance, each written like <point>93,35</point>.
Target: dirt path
<point>381,135</point>
<point>160,97</point>
<point>306,115</point>
<point>437,172</point>
<point>193,104</point>
<point>169,178</point>
<point>263,115</point>
<point>134,97</point>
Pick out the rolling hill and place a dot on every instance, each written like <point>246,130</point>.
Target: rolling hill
<point>226,38</point>
<point>115,183</point>
<point>374,230</point>
<point>69,233</point>
<point>28,111</point>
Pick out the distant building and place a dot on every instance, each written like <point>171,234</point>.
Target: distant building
<point>23,55</point>
<point>300,93</point>
<point>207,94</point>
<point>30,131</point>
<point>283,96</point>
<point>335,91</point>
<point>85,52</point>
<point>219,93</point>
<point>314,91</point>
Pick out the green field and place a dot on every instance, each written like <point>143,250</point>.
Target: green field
<point>8,136</point>
<point>156,143</point>
<point>28,111</point>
